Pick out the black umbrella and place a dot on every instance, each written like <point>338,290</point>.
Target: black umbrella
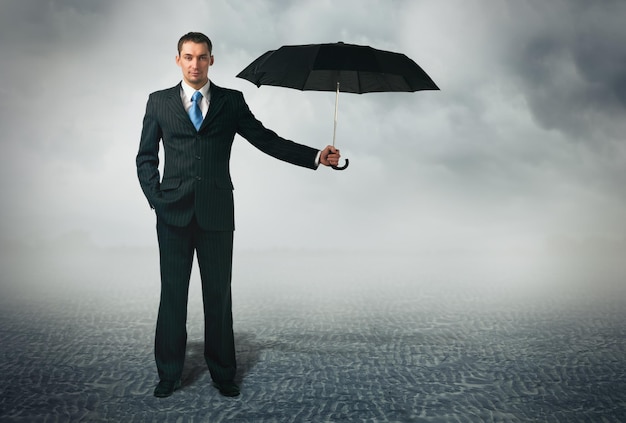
<point>337,67</point>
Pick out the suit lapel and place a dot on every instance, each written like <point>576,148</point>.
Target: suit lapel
<point>175,103</point>
<point>215,105</point>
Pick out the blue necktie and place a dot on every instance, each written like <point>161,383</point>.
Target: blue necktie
<point>194,112</point>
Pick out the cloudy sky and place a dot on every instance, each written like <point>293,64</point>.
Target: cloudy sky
<point>523,148</point>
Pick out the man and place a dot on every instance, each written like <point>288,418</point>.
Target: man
<point>196,121</point>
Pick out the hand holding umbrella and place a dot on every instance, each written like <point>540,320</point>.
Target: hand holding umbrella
<point>330,157</point>
<point>337,67</point>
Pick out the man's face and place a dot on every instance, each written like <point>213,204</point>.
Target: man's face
<point>194,60</point>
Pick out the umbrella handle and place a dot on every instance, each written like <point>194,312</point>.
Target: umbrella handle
<point>342,167</point>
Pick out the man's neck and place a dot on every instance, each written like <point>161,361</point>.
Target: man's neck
<point>190,88</point>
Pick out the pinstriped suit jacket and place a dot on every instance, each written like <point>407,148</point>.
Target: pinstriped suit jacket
<point>196,177</point>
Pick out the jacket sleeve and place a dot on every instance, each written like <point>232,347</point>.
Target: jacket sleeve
<point>269,142</point>
<point>148,156</point>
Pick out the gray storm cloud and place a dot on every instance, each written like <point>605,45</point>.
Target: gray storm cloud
<point>572,67</point>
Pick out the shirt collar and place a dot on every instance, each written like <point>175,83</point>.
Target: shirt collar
<point>190,90</point>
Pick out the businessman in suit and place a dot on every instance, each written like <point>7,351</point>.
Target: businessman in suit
<point>196,122</point>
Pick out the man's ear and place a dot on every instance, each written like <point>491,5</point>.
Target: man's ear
<point>211,60</point>
<point>177,60</point>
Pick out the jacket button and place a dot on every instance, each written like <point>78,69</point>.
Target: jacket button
<point>198,178</point>
<point>198,157</point>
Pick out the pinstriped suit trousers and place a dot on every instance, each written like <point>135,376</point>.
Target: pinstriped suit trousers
<point>214,253</point>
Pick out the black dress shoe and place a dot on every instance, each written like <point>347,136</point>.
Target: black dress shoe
<point>165,388</point>
<point>228,388</point>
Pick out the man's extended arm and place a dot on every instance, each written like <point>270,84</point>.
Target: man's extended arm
<point>270,143</point>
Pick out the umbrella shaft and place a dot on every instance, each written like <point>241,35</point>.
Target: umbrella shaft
<point>336,109</point>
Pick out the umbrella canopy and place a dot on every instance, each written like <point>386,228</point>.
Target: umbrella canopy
<point>337,67</point>
<point>319,67</point>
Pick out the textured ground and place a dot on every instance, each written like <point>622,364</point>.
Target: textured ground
<point>373,343</point>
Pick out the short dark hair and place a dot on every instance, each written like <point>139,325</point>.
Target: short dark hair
<point>195,37</point>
